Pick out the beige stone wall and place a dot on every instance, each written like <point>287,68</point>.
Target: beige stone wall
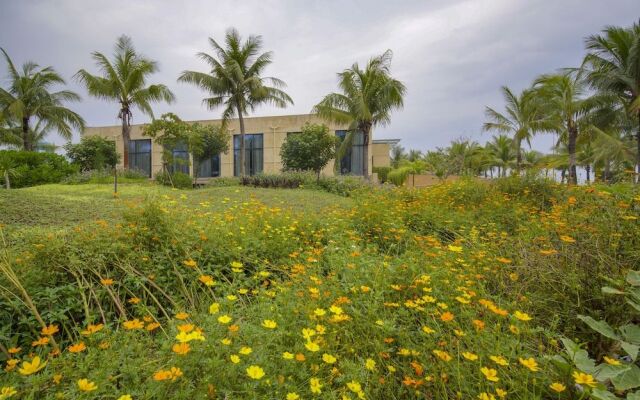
<point>273,128</point>
<point>424,180</point>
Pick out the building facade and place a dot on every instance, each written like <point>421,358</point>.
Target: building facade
<point>264,137</point>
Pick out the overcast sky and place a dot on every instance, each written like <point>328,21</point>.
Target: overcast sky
<point>453,56</point>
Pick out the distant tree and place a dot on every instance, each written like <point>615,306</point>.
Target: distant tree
<point>124,80</point>
<point>368,97</point>
<point>613,65</point>
<point>93,153</point>
<point>523,118</point>
<point>236,82</point>
<point>7,169</point>
<point>397,155</point>
<point>309,150</point>
<point>29,97</point>
<point>503,151</point>
<point>202,141</point>
<point>414,155</point>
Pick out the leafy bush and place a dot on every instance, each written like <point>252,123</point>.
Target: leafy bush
<point>382,172</point>
<point>178,180</point>
<point>224,181</point>
<point>93,153</point>
<point>309,150</point>
<point>286,180</point>
<point>32,168</point>
<point>399,176</point>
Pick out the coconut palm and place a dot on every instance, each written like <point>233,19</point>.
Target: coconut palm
<point>613,65</point>
<point>367,100</point>
<point>523,118</point>
<point>7,169</point>
<point>502,149</point>
<point>124,81</point>
<point>567,106</point>
<point>30,96</point>
<point>235,81</point>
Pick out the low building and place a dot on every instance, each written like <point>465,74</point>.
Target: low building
<point>263,138</point>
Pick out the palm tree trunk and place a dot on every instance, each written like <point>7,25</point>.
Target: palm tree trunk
<point>126,135</point>
<point>518,158</point>
<point>571,147</point>
<point>588,170</point>
<point>26,143</point>
<point>242,144</point>
<point>366,132</point>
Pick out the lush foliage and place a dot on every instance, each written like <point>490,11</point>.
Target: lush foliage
<point>175,179</point>
<point>340,185</point>
<point>383,173</point>
<point>93,153</point>
<point>106,176</point>
<point>309,150</point>
<point>28,168</point>
<point>462,290</point>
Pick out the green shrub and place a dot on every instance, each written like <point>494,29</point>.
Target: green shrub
<point>177,180</point>
<point>399,176</point>
<point>93,153</point>
<point>382,172</point>
<point>224,181</point>
<point>33,168</point>
<point>286,180</point>
<point>106,176</point>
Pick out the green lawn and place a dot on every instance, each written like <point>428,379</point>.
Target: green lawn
<point>67,205</point>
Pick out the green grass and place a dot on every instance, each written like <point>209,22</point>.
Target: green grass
<point>59,206</point>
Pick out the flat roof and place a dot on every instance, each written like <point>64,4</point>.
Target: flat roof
<point>386,141</point>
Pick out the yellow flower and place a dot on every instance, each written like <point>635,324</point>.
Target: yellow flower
<point>214,308</point>
<point>91,329</point>
<point>245,351</point>
<point>584,379</point>
<point>529,363</point>
<point>184,337</point>
<point>269,324</point>
<point>32,367</point>
<point>207,280</point>
<point>443,355</point>
<point>224,319</point>
<point>190,263</point>
<point>455,249</point>
<point>6,392</point>
<point>499,360</point>
<point>490,373</point>
<point>255,372</point>
<point>567,239</point>
<point>181,348</point>
<point>293,396</point>
<point>125,397</point>
<point>182,316</point>
<point>336,310</point>
<point>319,312</point>
<point>86,385</point>
<point>354,386</point>
<point>557,387</point>
<point>370,364</point>
<point>77,348</point>
<point>133,324</point>
<point>287,356</point>
<point>427,330</point>
<point>307,333</point>
<point>486,396</point>
<point>611,361</point>
<point>315,385</point>
<point>469,356</point>
<point>106,281</point>
<point>501,393</point>
<point>312,346</point>
<point>522,316</point>
<point>328,358</point>
<point>50,330</point>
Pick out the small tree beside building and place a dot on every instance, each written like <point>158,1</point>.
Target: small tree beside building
<point>93,153</point>
<point>309,150</point>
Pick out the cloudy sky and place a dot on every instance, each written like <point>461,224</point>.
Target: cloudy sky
<point>453,55</point>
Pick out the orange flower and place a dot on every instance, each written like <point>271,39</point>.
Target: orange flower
<point>181,348</point>
<point>182,316</point>
<point>77,348</point>
<point>446,317</point>
<point>42,341</point>
<point>50,330</point>
<point>91,329</point>
<point>106,281</point>
<point>133,324</point>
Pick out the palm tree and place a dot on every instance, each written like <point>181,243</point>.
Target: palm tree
<point>235,81</point>
<point>7,169</point>
<point>397,154</point>
<point>29,96</point>
<point>613,65</point>
<point>368,97</point>
<point>523,119</point>
<point>502,149</point>
<point>566,108</point>
<point>124,80</point>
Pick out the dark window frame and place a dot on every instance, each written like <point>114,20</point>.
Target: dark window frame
<point>135,154</point>
<point>251,148</point>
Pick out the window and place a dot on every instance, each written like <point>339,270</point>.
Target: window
<point>180,155</point>
<point>253,158</point>
<point>140,155</point>
<point>210,168</point>
<point>352,162</point>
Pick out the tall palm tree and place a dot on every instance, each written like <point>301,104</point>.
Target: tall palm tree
<point>613,65</point>
<point>29,96</point>
<point>523,118</point>
<point>124,80</point>
<point>368,97</point>
<point>235,81</point>
<point>567,106</point>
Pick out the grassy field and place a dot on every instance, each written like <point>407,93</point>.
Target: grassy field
<point>468,290</point>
